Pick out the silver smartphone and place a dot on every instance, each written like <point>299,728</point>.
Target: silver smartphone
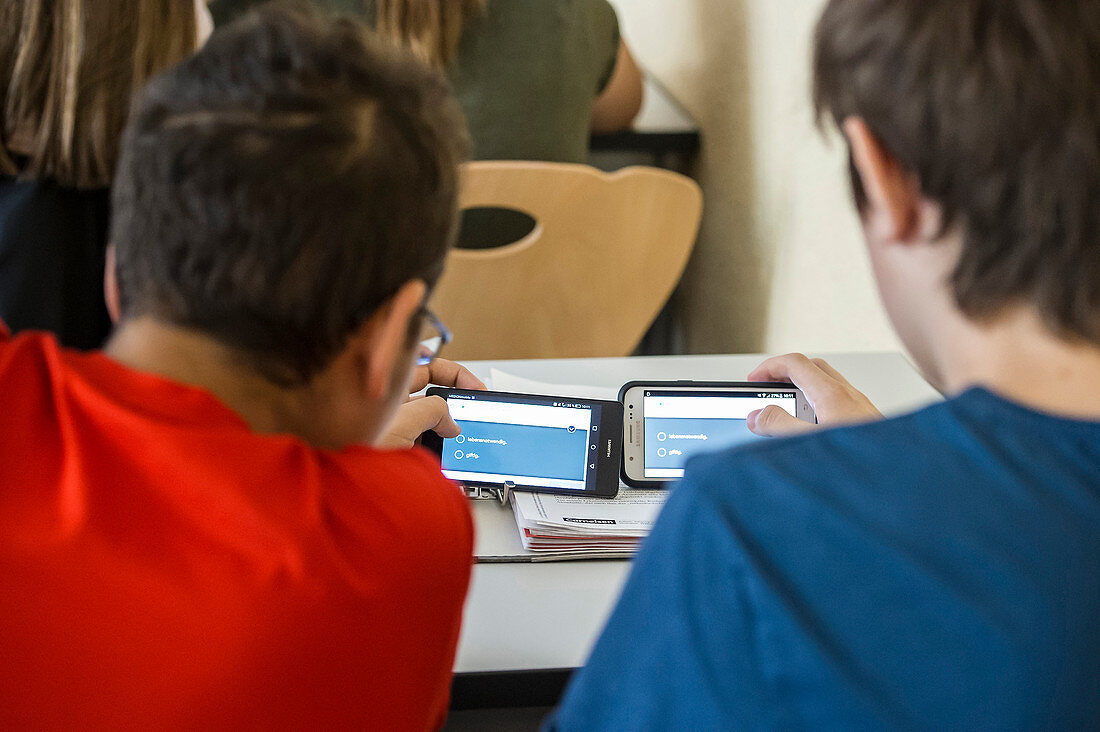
<point>666,422</point>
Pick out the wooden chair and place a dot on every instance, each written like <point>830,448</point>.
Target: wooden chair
<point>606,253</point>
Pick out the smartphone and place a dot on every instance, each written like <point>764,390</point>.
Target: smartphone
<point>532,443</point>
<point>666,422</point>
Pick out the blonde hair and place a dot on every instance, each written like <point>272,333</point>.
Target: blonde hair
<point>430,28</point>
<point>68,70</point>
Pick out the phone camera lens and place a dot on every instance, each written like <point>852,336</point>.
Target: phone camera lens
<point>631,406</point>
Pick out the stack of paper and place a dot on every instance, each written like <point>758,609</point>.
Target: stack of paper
<point>553,527</point>
<point>569,527</point>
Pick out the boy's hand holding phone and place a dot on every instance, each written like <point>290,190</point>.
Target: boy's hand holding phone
<point>441,372</point>
<point>421,414</point>
<point>835,401</point>
<point>669,421</point>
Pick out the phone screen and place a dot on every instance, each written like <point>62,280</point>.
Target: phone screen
<point>677,424</point>
<point>539,445</point>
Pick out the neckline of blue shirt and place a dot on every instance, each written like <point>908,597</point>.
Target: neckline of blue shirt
<point>982,394</point>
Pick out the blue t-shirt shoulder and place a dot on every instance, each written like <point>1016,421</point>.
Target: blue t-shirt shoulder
<point>941,568</point>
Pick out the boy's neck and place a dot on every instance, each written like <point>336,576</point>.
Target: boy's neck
<point>1018,357</point>
<point>190,357</point>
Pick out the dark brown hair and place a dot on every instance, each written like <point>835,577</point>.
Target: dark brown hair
<point>278,187</point>
<point>68,69</point>
<point>994,105</point>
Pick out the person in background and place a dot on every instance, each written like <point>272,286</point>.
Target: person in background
<point>194,532</point>
<point>939,570</point>
<point>68,69</point>
<point>534,77</point>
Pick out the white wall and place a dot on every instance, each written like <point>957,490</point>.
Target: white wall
<point>780,263</point>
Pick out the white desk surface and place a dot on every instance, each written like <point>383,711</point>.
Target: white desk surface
<point>660,112</point>
<point>547,616</point>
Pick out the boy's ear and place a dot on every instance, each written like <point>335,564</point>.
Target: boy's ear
<point>893,195</point>
<point>387,338</point>
<point>110,286</point>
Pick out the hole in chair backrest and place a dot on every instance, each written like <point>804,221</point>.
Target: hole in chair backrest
<point>491,227</point>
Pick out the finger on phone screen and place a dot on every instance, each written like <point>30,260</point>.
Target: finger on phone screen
<point>773,421</point>
<point>430,413</point>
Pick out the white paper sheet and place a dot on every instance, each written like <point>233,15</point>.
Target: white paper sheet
<point>504,381</point>
<point>631,514</point>
<point>570,527</point>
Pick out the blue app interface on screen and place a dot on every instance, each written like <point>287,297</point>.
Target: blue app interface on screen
<point>678,425</point>
<point>537,445</point>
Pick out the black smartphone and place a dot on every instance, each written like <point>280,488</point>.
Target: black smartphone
<point>530,442</point>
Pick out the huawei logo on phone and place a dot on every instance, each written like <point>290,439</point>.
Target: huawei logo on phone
<point>609,448</point>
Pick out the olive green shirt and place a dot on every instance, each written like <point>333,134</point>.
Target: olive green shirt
<point>526,73</point>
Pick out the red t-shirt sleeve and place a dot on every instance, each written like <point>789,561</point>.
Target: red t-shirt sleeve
<point>406,533</point>
<point>162,565</point>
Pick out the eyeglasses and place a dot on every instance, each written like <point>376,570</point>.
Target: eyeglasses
<point>437,336</point>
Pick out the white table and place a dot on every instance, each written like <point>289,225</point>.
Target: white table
<point>660,112</point>
<point>527,617</point>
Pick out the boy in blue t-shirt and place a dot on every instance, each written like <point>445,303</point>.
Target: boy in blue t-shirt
<point>940,570</point>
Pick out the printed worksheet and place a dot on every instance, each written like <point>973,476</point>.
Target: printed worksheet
<point>632,513</point>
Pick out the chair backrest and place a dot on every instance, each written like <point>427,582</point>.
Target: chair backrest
<point>606,253</point>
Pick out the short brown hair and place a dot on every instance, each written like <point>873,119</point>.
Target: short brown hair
<point>279,186</point>
<point>68,69</point>
<point>995,106</point>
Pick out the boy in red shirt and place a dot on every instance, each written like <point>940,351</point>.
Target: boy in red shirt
<point>193,532</point>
